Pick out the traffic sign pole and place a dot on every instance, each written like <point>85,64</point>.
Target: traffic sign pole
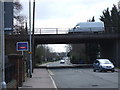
<point>3,83</point>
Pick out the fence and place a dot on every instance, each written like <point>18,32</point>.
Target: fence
<point>14,70</point>
<point>78,30</point>
<point>51,30</point>
<point>9,72</point>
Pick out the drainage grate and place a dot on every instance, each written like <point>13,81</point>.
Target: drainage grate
<point>94,85</point>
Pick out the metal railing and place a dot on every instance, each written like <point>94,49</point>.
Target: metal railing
<point>69,30</point>
<point>51,30</point>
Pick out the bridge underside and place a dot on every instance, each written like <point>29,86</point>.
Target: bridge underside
<point>73,38</point>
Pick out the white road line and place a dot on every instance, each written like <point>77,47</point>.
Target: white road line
<point>51,73</point>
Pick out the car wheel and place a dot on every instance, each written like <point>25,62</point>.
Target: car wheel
<point>94,70</point>
<point>100,70</point>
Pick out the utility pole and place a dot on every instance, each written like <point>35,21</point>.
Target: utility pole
<point>30,61</point>
<point>33,45</point>
<point>2,47</point>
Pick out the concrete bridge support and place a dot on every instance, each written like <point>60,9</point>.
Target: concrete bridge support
<point>111,50</point>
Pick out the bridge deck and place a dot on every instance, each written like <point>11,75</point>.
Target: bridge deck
<point>66,38</point>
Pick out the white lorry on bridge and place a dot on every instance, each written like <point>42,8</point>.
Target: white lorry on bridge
<point>87,27</point>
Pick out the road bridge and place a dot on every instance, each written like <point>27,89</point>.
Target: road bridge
<point>74,38</point>
<point>109,42</point>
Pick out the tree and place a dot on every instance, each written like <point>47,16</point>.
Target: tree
<point>91,20</point>
<point>106,18</point>
<point>19,20</point>
<point>111,19</point>
<point>115,18</point>
<point>45,54</point>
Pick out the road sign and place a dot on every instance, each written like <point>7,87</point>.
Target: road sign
<point>8,20</point>
<point>22,46</point>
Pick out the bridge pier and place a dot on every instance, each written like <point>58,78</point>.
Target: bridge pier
<point>111,50</point>
<point>118,52</point>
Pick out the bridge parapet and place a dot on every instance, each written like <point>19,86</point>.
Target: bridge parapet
<point>68,30</point>
<point>51,30</point>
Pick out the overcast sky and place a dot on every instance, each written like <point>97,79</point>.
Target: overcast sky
<point>66,13</point>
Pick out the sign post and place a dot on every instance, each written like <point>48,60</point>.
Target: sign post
<point>2,46</point>
<point>21,46</point>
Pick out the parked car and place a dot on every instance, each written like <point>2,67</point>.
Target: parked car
<point>62,61</point>
<point>103,65</point>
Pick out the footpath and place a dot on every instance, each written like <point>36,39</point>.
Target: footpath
<point>40,79</point>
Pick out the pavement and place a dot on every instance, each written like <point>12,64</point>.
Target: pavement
<point>40,79</point>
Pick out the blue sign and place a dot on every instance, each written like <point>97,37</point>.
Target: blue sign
<point>22,46</point>
<point>8,16</point>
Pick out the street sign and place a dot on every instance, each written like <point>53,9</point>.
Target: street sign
<point>8,16</point>
<point>22,46</point>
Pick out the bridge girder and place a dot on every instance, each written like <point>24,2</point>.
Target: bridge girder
<point>74,38</point>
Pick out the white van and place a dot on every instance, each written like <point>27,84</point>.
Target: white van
<point>83,27</point>
<point>103,65</point>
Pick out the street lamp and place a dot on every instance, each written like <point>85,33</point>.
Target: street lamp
<point>2,52</point>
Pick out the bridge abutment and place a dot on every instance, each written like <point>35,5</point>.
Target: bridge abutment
<point>111,50</point>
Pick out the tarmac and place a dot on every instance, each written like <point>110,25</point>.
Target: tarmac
<point>40,79</point>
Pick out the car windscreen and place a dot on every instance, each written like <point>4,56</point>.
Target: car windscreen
<point>105,62</point>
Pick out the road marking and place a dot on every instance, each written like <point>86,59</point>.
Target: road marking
<point>50,72</point>
<point>53,82</point>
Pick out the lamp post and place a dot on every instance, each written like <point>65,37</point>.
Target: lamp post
<point>33,44</point>
<point>2,52</point>
<point>30,61</point>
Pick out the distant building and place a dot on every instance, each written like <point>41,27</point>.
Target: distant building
<point>8,17</point>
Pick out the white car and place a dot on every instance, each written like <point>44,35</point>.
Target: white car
<point>62,61</point>
<point>103,65</point>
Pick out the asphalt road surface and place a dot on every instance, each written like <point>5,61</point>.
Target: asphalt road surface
<point>83,78</point>
<point>57,63</point>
